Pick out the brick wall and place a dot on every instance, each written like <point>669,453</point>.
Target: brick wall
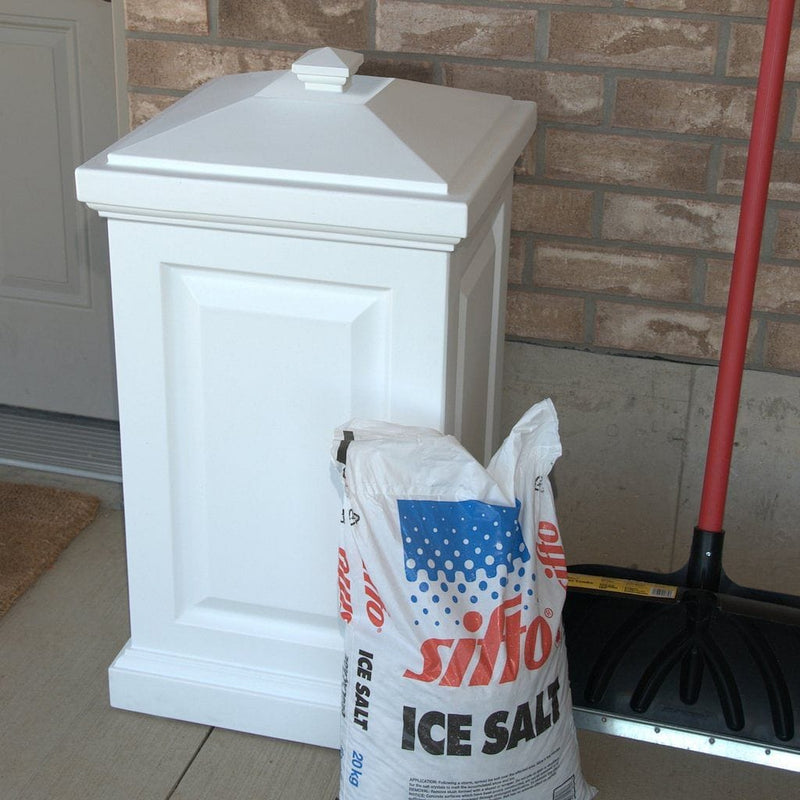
<point>626,200</point>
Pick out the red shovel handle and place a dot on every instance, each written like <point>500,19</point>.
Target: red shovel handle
<point>745,264</point>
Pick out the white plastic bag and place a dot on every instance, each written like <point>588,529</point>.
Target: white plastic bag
<point>452,579</point>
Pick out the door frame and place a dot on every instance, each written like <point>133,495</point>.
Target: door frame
<point>120,65</point>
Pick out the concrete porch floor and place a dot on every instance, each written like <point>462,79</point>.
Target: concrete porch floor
<point>631,432</point>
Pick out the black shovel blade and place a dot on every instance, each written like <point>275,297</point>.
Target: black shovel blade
<point>642,646</point>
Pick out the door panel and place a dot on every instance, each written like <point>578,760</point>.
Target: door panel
<point>58,109</point>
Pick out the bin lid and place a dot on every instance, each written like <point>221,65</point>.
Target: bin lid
<point>380,144</point>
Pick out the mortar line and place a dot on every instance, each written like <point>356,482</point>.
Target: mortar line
<point>723,46</point>
<point>541,45</point>
<point>372,24</point>
<point>212,8</point>
<point>609,101</point>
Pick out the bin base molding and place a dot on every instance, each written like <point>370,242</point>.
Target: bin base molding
<point>236,697</point>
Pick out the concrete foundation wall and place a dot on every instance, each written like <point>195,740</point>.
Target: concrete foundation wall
<point>634,434</point>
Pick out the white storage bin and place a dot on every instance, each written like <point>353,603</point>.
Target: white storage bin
<point>288,250</point>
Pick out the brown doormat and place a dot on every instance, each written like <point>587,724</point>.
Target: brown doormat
<point>36,524</point>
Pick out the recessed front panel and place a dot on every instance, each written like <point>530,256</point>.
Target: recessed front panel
<point>260,371</point>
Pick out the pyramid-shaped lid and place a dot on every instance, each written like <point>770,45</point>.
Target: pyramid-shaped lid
<point>320,125</point>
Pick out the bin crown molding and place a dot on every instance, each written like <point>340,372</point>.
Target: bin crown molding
<point>401,151</point>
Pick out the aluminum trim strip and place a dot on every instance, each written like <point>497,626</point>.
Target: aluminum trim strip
<point>726,747</point>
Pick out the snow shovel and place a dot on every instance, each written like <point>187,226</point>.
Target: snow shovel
<point>691,659</point>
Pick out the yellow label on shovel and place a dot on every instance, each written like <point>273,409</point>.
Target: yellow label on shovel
<point>601,583</point>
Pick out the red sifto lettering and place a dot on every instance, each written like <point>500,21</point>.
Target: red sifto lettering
<point>376,610</point>
<point>450,661</point>
<point>345,601</point>
<point>551,554</point>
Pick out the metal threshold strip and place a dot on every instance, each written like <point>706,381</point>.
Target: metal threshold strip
<point>60,443</point>
<point>726,746</point>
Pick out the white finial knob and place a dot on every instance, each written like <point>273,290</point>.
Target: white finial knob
<point>327,69</point>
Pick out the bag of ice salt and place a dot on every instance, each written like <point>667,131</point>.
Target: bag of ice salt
<point>452,579</point>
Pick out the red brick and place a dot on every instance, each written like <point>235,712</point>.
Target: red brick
<point>142,107</point>
<point>560,96</point>
<point>639,42</point>
<point>783,346</point>
<point>784,182</point>
<point>516,259</point>
<point>186,65</point>
<point>626,160</point>
<point>787,235</point>
<point>167,16</point>
<point>525,165</point>
<point>549,317</point>
<point>741,8</point>
<point>663,331</point>
<point>595,3</point>
<point>795,134</point>
<point>634,273</point>
<point>777,287</point>
<point>744,52</point>
<point>697,108</point>
<point>420,71</point>
<point>670,222</point>
<point>552,209</point>
<point>338,24</point>
<point>475,31</point>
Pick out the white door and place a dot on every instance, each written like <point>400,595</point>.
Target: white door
<point>57,108</point>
